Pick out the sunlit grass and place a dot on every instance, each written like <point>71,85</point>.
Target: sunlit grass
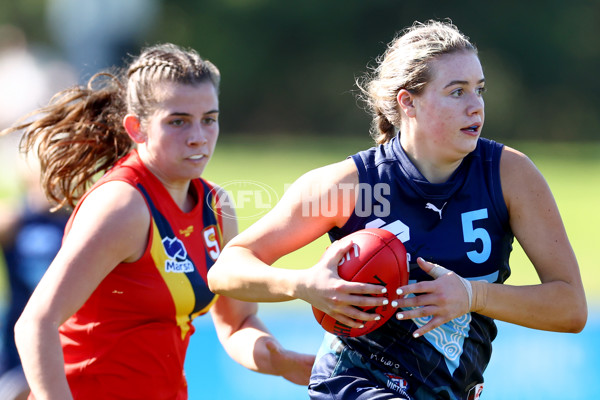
<point>572,171</point>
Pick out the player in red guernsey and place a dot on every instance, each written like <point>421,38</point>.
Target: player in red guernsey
<point>111,318</point>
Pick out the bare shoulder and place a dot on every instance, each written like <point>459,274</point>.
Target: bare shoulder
<point>114,215</point>
<point>521,180</point>
<point>116,199</point>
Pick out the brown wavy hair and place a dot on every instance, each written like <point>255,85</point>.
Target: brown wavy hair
<point>406,65</point>
<point>80,133</point>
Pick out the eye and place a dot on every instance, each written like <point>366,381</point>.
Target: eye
<point>480,91</point>
<point>457,92</point>
<point>209,120</point>
<point>177,122</point>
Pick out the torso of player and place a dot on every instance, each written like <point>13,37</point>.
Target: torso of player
<point>138,320</point>
<point>461,225</point>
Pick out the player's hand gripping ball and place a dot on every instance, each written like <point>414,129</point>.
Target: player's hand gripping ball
<point>378,257</point>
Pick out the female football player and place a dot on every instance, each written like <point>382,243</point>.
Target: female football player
<point>455,199</point>
<point>112,316</point>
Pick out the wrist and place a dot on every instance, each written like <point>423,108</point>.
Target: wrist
<point>479,295</point>
<point>297,284</point>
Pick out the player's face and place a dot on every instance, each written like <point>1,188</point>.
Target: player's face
<point>450,110</point>
<point>182,132</point>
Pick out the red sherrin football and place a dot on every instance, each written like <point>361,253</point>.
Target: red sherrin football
<point>379,257</point>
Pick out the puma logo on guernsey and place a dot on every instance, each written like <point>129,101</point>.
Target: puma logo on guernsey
<point>177,253</point>
<point>187,231</point>
<point>430,206</point>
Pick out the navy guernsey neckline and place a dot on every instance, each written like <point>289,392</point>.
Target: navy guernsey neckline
<point>419,183</point>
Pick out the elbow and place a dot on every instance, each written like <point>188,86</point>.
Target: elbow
<point>22,330</point>
<point>577,319</point>
<point>214,279</point>
<point>574,316</point>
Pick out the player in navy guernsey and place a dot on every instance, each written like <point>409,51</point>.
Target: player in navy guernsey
<point>454,199</point>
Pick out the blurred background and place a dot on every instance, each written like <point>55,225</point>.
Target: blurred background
<point>288,105</point>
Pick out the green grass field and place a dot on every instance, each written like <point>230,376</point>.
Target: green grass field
<point>572,171</point>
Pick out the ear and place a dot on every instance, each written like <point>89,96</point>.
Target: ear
<point>405,101</point>
<point>132,126</point>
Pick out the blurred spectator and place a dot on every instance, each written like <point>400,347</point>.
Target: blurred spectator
<point>96,34</point>
<point>30,236</point>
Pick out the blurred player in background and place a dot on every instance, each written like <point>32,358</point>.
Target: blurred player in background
<point>456,201</point>
<point>112,316</point>
<point>30,237</point>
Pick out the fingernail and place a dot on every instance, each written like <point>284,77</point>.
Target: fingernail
<point>385,302</point>
<point>399,316</point>
<point>377,318</point>
<point>415,335</point>
<point>384,290</point>
<point>399,291</point>
<point>394,303</point>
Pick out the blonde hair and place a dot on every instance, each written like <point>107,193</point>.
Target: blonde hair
<point>80,133</point>
<point>406,65</point>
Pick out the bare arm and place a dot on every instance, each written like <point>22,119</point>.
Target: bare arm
<point>558,303</point>
<point>106,231</point>
<point>246,339</point>
<point>244,268</point>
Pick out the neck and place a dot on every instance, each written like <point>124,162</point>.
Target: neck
<point>434,169</point>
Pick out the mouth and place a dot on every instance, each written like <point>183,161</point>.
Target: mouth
<point>472,129</point>
<point>197,157</point>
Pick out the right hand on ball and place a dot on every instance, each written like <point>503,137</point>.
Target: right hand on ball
<point>322,287</point>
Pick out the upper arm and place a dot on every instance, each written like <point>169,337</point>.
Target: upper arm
<point>229,216</point>
<point>315,203</point>
<point>110,227</point>
<point>535,219</point>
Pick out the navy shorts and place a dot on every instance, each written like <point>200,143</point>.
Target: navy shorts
<point>340,373</point>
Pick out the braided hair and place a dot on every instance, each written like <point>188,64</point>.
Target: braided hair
<point>80,133</point>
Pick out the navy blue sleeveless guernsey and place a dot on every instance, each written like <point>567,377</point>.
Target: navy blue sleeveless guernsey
<point>461,225</point>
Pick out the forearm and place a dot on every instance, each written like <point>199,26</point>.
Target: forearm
<point>239,274</point>
<point>553,306</point>
<point>247,346</point>
<point>42,359</point>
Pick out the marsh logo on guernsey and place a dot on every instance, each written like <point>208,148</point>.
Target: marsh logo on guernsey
<point>177,262</point>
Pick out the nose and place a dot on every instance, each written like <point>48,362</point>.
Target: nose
<point>476,104</point>
<point>197,136</point>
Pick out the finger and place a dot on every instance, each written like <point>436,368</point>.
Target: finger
<point>358,314</point>
<point>431,325</point>
<point>335,253</point>
<point>358,307</point>
<point>419,312</point>
<point>414,301</point>
<point>432,269</point>
<point>364,288</point>
<point>348,321</point>
<point>273,347</point>
<point>414,288</point>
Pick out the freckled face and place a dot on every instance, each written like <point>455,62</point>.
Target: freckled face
<point>450,110</point>
<point>182,132</point>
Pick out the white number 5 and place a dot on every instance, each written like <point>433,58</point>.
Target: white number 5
<point>471,234</point>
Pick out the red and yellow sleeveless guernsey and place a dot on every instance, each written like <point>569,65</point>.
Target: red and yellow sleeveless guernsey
<point>129,339</point>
